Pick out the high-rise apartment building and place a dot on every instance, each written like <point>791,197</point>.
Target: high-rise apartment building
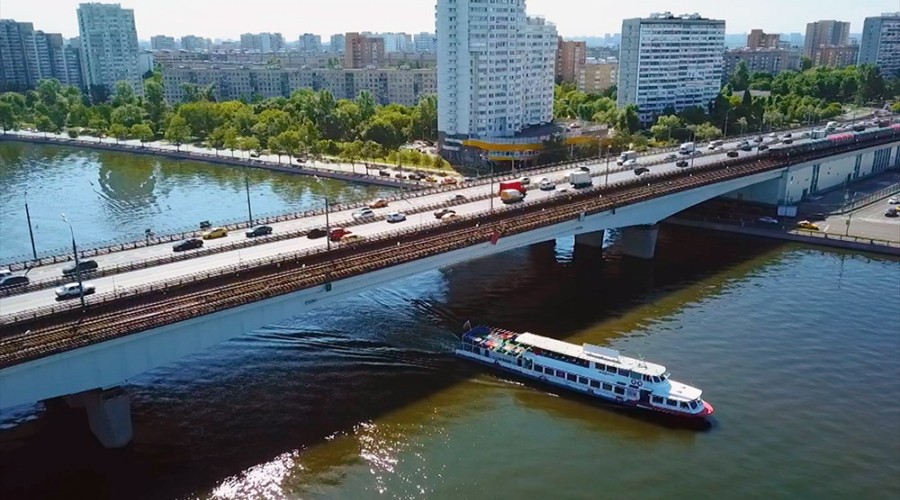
<point>28,56</point>
<point>670,61</point>
<point>310,43</point>
<point>772,61</point>
<point>337,44</point>
<point>109,46</point>
<point>361,51</point>
<point>881,43</point>
<point>758,39</point>
<point>570,58</point>
<point>193,43</point>
<point>425,42</point>
<point>824,34</point>
<point>262,42</point>
<point>163,42</point>
<point>836,56</point>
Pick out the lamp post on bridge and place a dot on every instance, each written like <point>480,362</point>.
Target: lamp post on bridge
<point>249,209</point>
<point>30,231</point>
<point>327,209</point>
<point>77,262</point>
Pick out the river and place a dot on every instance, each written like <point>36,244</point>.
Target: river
<point>798,348</point>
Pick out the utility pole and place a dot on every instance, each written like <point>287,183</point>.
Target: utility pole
<point>30,231</point>
<point>77,262</point>
<point>327,208</point>
<point>249,209</point>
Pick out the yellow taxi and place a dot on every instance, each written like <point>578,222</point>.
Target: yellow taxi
<point>216,232</point>
<point>431,179</point>
<point>805,224</point>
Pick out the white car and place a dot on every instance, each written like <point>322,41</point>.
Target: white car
<point>72,290</point>
<point>546,184</point>
<point>768,220</point>
<point>395,217</point>
<point>456,197</point>
<point>893,201</point>
<point>525,181</point>
<point>4,272</point>
<point>631,162</point>
<point>363,213</point>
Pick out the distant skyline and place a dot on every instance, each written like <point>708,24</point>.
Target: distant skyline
<point>573,18</point>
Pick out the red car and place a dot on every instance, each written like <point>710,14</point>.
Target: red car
<point>337,233</point>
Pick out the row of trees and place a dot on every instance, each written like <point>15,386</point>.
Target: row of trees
<point>307,122</point>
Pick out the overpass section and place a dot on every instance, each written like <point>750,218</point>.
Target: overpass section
<point>73,353</point>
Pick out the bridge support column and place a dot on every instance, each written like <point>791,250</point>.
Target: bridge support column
<point>109,415</point>
<point>640,241</point>
<point>593,240</point>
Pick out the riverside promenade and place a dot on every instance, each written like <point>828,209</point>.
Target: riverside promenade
<point>363,172</point>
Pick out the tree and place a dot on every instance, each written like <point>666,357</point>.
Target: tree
<point>351,152</point>
<point>805,63</point>
<point>178,131</point>
<point>9,118</point>
<point>123,94</point>
<point>742,121</point>
<point>664,126</point>
<point>155,102</point>
<point>628,119</point>
<point>44,124</point>
<point>119,131</point>
<point>249,143</point>
<point>290,142</point>
<point>366,103</point>
<point>128,115</point>
<point>230,140</point>
<point>271,122</point>
<point>142,132</point>
<point>275,147</point>
<point>706,132</point>
<point>740,79</point>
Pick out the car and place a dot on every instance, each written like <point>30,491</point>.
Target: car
<point>352,238</point>
<point>363,213</point>
<point>641,171</point>
<point>432,179</point>
<point>456,197</point>
<point>468,179</point>
<point>672,156</point>
<point>681,163</point>
<point>448,181</point>
<point>584,169</point>
<point>216,232</point>
<point>787,135</point>
<point>414,177</point>
<point>767,220</point>
<point>762,147</point>
<point>816,216</point>
<point>379,203</point>
<point>450,218</point>
<point>398,175</point>
<point>384,173</point>
<point>719,148</point>
<point>733,154</point>
<point>188,244</point>
<point>254,155</point>
<point>74,290</point>
<point>11,281</point>
<point>804,135</point>
<point>757,139</point>
<point>894,200</point>
<point>4,272</point>
<point>788,141</point>
<point>259,231</point>
<point>525,181</point>
<point>546,184</point>
<point>395,217</point>
<point>316,233</point>
<point>630,163</point>
<point>805,224</point>
<point>84,266</point>
<point>440,214</point>
<point>337,233</point>
<point>891,212</point>
<point>746,148</point>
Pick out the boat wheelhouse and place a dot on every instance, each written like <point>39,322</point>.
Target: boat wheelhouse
<point>589,369</point>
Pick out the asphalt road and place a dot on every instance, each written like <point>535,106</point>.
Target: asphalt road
<point>865,222</point>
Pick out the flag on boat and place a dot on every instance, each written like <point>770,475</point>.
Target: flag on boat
<point>467,325</point>
<point>495,237</point>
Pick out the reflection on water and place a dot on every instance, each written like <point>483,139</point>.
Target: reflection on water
<point>364,399</point>
<point>116,196</point>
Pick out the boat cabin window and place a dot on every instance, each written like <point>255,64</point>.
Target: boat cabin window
<point>671,402</point>
<point>537,368</point>
<point>600,366</point>
<point>624,373</point>
<point>647,378</point>
<point>658,399</point>
<point>595,384</point>
<point>693,405</point>
<point>583,380</point>
<point>620,390</point>
<point>657,380</point>
<point>684,405</point>
<point>571,376</point>
<point>607,387</point>
<point>548,370</point>
<point>560,374</point>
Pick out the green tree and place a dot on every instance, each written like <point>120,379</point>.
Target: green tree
<point>119,131</point>
<point>44,124</point>
<point>662,130</point>
<point>155,102</point>
<point>706,132</point>
<point>367,104</point>
<point>178,131</point>
<point>249,144</point>
<point>123,94</point>
<point>290,142</point>
<point>740,79</point>
<point>231,140</point>
<point>9,118</point>
<point>128,115</point>
<point>142,132</point>
<point>805,63</point>
<point>270,123</point>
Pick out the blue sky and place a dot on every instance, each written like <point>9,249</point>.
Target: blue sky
<point>228,19</point>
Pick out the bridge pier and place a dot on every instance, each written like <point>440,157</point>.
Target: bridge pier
<point>592,240</point>
<point>109,415</point>
<point>640,241</point>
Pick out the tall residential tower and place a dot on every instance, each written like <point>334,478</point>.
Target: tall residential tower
<point>109,46</point>
<point>881,43</point>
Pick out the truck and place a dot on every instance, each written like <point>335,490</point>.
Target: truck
<point>687,148</point>
<point>627,155</point>
<point>516,185</point>
<point>511,196</point>
<point>818,133</point>
<point>579,179</point>
<point>831,125</point>
<point>715,144</point>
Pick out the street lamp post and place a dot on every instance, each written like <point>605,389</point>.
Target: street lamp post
<point>77,266</point>
<point>725,125</point>
<point>606,181</point>
<point>249,209</point>
<point>30,231</point>
<point>327,209</point>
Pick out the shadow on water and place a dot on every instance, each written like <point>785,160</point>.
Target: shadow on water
<point>296,385</point>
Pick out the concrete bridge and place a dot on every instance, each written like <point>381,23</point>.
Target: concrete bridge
<point>49,350</point>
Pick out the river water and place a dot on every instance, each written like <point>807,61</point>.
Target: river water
<point>797,347</point>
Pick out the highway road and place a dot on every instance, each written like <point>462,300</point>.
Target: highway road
<point>40,298</point>
<point>865,222</point>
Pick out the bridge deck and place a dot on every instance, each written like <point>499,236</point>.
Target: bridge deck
<point>62,331</point>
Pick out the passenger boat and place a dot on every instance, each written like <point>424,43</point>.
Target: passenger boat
<point>592,370</point>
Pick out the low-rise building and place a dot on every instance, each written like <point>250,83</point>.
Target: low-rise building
<point>401,86</point>
<point>193,43</point>
<point>597,76</point>
<point>163,42</point>
<point>772,61</point>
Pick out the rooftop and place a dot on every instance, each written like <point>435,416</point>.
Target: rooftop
<point>591,352</point>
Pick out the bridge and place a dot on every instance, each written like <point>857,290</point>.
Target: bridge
<point>165,312</point>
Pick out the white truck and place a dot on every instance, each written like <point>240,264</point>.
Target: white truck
<point>818,133</point>
<point>687,148</point>
<point>511,196</point>
<point>579,179</point>
<point>627,155</point>
<point>831,125</point>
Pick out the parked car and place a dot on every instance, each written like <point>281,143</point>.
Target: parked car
<point>432,179</point>
<point>525,181</point>
<point>746,147</point>
<point>805,224</point>
<point>641,171</point>
<point>73,290</point>
<point>768,220</point>
<point>401,176</point>
<point>11,281</point>
<point>816,216</point>
<point>733,154</point>
<point>337,233</point>
<point>379,203</point>
<point>449,218</point>
<point>259,231</point>
<point>85,266</point>
<point>788,135</point>
<point>763,147</point>
<point>316,233</point>
<point>363,213</point>
<point>188,244</point>
<point>681,163</point>
<point>788,141</point>
<point>395,217</point>
<point>440,214</point>
<point>214,233</point>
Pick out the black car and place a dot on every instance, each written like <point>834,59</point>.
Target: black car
<point>816,216</point>
<point>316,233</point>
<point>747,148</point>
<point>14,281</point>
<point>889,213</point>
<point>733,154</point>
<point>384,173</point>
<point>641,171</point>
<point>681,163</point>
<point>85,266</point>
<point>788,141</point>
<point>584,169</point>
<point>259,231</point>
<point>442,212</point>
<point>188,244</point>
<point>763,147</point>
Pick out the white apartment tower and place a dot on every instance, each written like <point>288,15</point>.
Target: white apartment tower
<point>495,69</point>
<point>670,61</point>
<point>109,46</point>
